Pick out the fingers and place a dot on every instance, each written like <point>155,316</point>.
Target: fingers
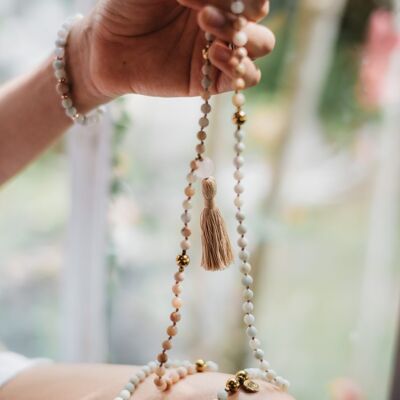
<point>261,40</point>
<point>221,57</point>
<point>254,9</point>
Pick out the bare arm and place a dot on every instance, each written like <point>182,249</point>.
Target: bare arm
<point>104,382</point>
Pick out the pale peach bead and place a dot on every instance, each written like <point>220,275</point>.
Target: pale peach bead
<point>177,302</point>
<point>240,69</point>
<point>182,372</point>
<point>241,52</point>
<point>166,345</point>
<point>160,371</point>
<point>206,95</point>
<point>239,84</point>
<point>189,191</point>
<point>179,276</point>
<point>200,148</point>
<point>159,381</point>
<point>176,289</point>
<point>240,23</point>
<point>238,99</point>
<point>172,330</point>
<point>240,38</point>
<point>194,165</point>
<point>186,232</point>
<point>234,62</point>
<point>174,377</point>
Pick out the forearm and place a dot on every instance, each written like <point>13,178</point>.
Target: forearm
<point>31,118</point>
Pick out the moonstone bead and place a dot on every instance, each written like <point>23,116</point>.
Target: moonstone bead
<point>177,302</point>
<point>259,354</point>
<point>191,369</point>
<point>271,375</point>
<point>130,387</point>
<point>125,394</point>
<point>205,108</point>
<point>182,372</point>
<point>248,294</point>
<point>240,38</point>
<point>239,147</point>
<point>187,205</point>
<point>247,280</point>
<point>185,245</point>
<point>60,74</point>
<point>203,122</point>
<point>146,370</point>
<point>58,64</point>
<point>238,161</point>
<point>222,395</point>
<point>152,365</point>
<point>238,175</point>
<point>249,319</point>
<point>177,289</point>
<point>239,134</point>
<point>245,268</point>
<point>186,217</point>
<point>206,82</point>
<point>141,375</point>
<point>241,229</point>
<point>179,276</point>
<point>205,168</point>
<point>59,52</point>
<point>191,177</point>
<point>174,376</point>
<point>239,189</point>
<point>238,202</point>
<point>211,366</point>
<point>66,103</point>
<point>238,99</point>
<point>62,33</point>
<point>71,112</point>
<point>135,380</point>
<point>242,242</point>
<point>251,331</point>
<point>254,343</point>
<point>264,365</point>
<point>244,255</point>
<point>248,307</point>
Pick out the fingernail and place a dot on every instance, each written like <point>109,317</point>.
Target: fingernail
<point>214,17</point>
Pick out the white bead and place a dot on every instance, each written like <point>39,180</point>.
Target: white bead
<point>244,255</point>
<point>240,216</point>
<point>241,229</point>
<point>247,280</point>
<point>60,42</point>
<point>185,245</point>
<point>152,365</point>
<point>248,307</point>
<point>240,38</point>
<point>239,147</point>
<point>125,394</point>
<point>141,375</point>
<point>146,370</point>
<point>182,372</point>
<point>62,34</point>
<point>248,294</point>
<point>205,168</point>
<point>254,343</point>
<point>238,99</point>
<point>237,7</point>
<point>238,161</point>
<point>238,175</point>
<point>191,177</point>
<point>249,319</point>
<point>186,217</point>
<point>187,205</point>
<point>222,395</point>
<point>60,73</point>
<point>135,380</point>
<point>59,52</point>
<point>251,331</point>
<point>242,242</point>
<point>259,354</point>
<point>264,365</point>
<point>71,112</point>
<point>270,375</point>
<point>66,103</point>
<point>285,384</point>
<point>238,202</point>
<point>239,189</point>
<point>211,366</point>
<point>239,135</point>
<point>130,387</point>
<point>245,268</point>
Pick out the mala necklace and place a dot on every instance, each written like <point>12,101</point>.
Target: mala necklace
<point>216,247</point>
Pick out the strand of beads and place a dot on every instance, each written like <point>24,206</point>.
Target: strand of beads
<point>239,118</point>
<point>177,370</point>
<point>63,87</point>
<point>183,259</point>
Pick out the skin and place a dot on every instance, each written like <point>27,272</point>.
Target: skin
<point>104,382</point>
<point>151,47</point>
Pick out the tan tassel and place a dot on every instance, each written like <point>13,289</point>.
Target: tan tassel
<point>217,249</point>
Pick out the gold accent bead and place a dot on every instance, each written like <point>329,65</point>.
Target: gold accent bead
<point>232,385</point>
<point>200,366</point>
<point>239,118</point>
<point>250,386</point>
<point>242,376</point>
<point>182,260</point>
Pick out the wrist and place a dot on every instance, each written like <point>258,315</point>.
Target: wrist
<point>84,91</point>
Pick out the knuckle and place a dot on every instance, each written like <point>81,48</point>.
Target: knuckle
<point>259,9</point>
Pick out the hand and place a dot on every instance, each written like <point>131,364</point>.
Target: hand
<point>154,47</point>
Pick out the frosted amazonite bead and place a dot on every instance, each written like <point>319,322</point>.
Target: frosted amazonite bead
<point>237,7</point>
<point>247,280</point>
<point>186,217</point>
<point>240,38</point>
<point>259,354</point>
<point>238,175</point>
<point>185,245</point>
<point>222,395</point>
<point>242,242</point>
<point>238,161</point>
<point>248,294</point>
<point>248,307</point>
<point>249,319</point>
<point>125,395</point>
<point>245,268</point>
